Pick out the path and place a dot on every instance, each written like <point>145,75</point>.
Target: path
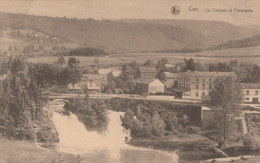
<point>244,121</point>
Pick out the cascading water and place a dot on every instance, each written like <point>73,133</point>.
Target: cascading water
<point>75,139</point>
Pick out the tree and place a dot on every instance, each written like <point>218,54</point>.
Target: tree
<point>148,63</point>
<point>225,97</point>
<point>189,65</point>
<point>72,62</point>
<point>17,65</point>
<point>74,75</point>
<point>61,60</point>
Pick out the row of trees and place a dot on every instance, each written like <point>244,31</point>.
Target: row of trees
<point>21,102</point>
<point>87,51</point>
<point>49,75</point>
<point>147,120</point>
<point>93,114</point>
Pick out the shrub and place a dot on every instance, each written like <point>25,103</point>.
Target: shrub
<point>252,142</point>
<point>193,129</point>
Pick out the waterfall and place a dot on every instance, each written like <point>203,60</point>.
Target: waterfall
<point>75,139</point>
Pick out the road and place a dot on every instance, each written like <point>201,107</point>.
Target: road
<point>128,96</point>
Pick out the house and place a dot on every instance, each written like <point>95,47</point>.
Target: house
<point>198,85</point>
<point>251,92</point>
<point>104,72</point>
<point>77,88</point>
<point>92,82</point>
<point>146,86</point>
<point>116,73</point>
<point>147,72</point>
<point>170,79</point>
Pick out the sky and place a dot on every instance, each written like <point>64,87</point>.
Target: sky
<point>139,9</point>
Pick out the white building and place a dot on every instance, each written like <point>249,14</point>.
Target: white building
<point>149,86</point>
<point>198,85</point>
<point>251,92</point>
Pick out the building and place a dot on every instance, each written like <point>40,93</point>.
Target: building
<point>147,72</point>
<point>170,79</point>
<point>146,86</point>
<point>104,72</point>
<point>77,88</point>
<point>251,92</point>
<point>92,82</point>
<point>198,85</point>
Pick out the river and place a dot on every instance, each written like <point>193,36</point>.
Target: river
<point>109,146</point>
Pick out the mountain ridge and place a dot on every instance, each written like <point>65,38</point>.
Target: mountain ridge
<point>132,36</point>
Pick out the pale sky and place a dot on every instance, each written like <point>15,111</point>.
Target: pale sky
<point>138,9</point>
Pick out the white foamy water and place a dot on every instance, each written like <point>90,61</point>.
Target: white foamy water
<point>75,139</point>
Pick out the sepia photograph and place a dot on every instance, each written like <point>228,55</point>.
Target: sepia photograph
<point>129,81</point>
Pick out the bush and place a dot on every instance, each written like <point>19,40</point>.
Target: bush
<point>193,129</point>
<point>252,142</point>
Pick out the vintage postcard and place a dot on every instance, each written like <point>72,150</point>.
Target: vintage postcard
<point>129,81</point>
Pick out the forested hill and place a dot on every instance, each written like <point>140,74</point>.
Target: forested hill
<point>132,36</point>
<point>247,42</point>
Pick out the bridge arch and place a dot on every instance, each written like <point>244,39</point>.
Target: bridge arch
<point>62,100</point>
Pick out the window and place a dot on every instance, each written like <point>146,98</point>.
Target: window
<point>203,79</point>
<point>197,94</point>
<point>247,92</point>
<point>210,80</point>
<point>203,86</point>
<point>209,86</point>
<point>256,92</point>
<point>197,86</point>
<point>197,79</point>
<point>247,99</point>
<point>203,93</point>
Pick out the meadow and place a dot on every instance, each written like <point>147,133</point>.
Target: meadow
<point>251,54</point>
<point>5,42</point>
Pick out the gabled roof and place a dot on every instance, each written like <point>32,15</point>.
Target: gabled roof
<point>104,71</point>
<point>116,73</point>
<point>207,74</point>
<point>147,69</point>
<point>247,86</point>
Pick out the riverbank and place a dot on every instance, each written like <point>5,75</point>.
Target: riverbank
<point>188,147</point>
<point>13,151</point>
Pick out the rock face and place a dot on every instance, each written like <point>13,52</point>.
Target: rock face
<point>41,129</point>
<point>44,128</point>
<point>189,147</point>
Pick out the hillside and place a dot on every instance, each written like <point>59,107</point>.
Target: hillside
<point>247,42</point>
<point>216,29</point>
<point>131,36</point>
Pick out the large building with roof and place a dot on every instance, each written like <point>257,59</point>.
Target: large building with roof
<point>92,82</point>
<point>251,92</point>
<point>197,85</point>
<point>146,86</point>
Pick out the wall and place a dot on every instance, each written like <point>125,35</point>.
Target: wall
<point>209,116</point>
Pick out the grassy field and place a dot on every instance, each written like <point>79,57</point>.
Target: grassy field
<point>25,152</point>
<point>84,61</point>
<point>5,42</point>
<point>251,54</point>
